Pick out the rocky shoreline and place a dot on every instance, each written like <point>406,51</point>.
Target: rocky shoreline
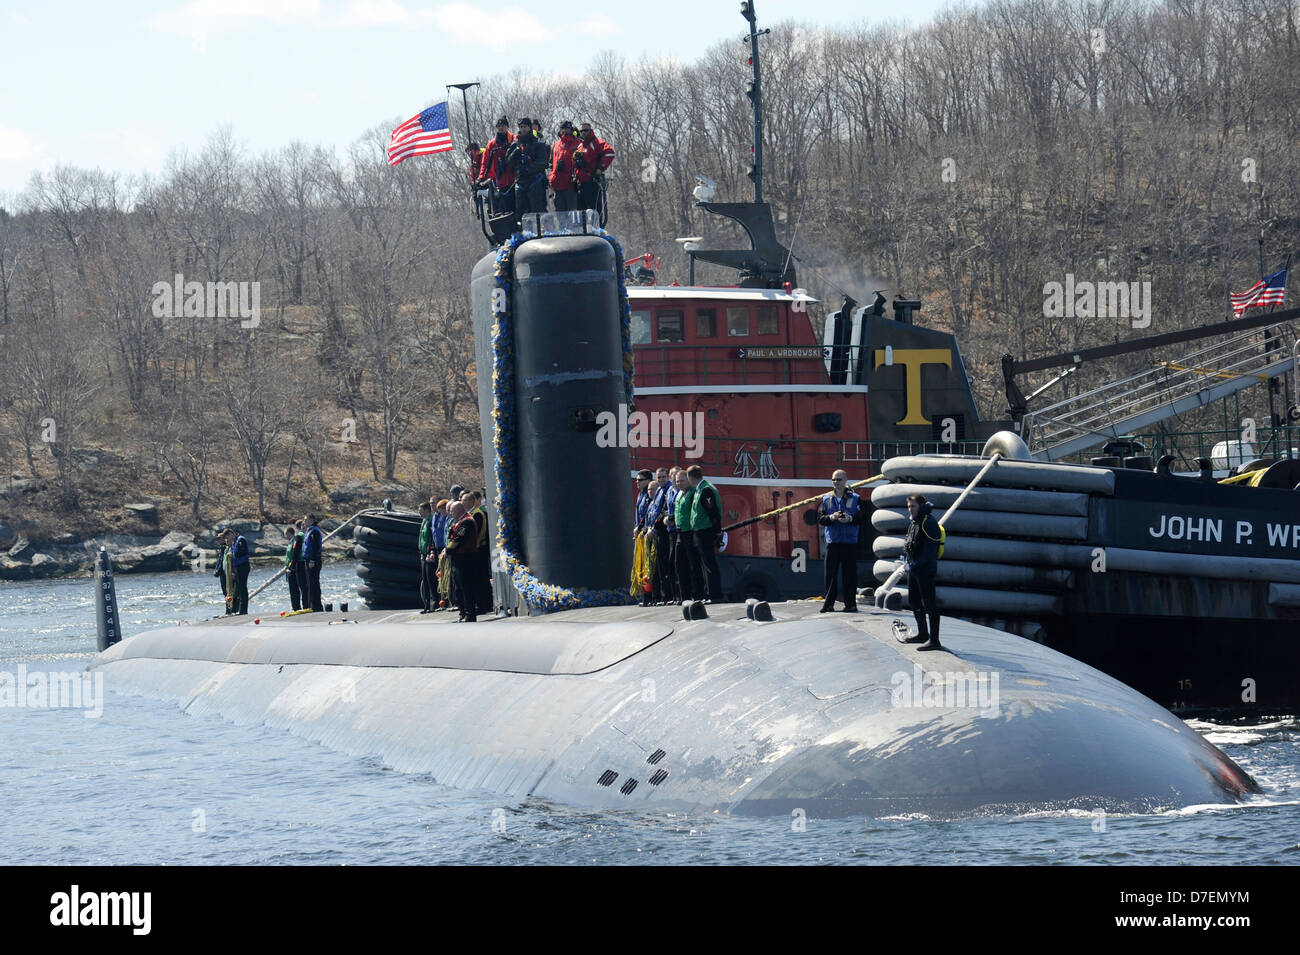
<point>69,555</point>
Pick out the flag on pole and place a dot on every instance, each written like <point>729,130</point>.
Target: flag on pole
<point>427,133</point>
<point>1267,291</point>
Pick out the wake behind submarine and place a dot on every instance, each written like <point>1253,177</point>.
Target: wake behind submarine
<point>569,697</point>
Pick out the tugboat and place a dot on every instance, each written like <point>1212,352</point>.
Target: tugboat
<point>1185,588</point>
<point>743,708</point>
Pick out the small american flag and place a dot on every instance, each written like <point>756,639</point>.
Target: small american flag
<point>427,133</point>
<point>1268,291</point>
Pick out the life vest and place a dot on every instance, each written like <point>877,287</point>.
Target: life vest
<point>562,166</point>
<point>596,154</point>
<point>841,533</point>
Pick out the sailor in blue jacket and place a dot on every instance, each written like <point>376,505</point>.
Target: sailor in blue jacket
<point>239,564</point>
<point>656,522</point>
<point>312,542</point>
<point>840,513</point>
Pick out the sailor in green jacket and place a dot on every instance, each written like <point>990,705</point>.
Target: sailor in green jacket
<point>428,558</point>
<point>690,581</point>
<point>706,527</point>
<point>292,560</point>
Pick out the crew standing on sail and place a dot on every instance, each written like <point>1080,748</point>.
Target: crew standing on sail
<point>495,171</point>
<point>528,159</point>
<point>592,160</point>
<point>562,168</point>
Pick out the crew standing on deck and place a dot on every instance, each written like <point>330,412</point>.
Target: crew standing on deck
<point>840,513</point>
<point>239,571</point>
<point>482,553</point>
<point>706,522</point>
<point>690,579</point>
<point>592,160</point>
<point>462,536</point>
<point>657,526</point>
<point>292,562</point>
<point>221,568</point>
<point>312,544</point>
<point>442,573</point>
<point>644,495</point>
<point>921,560</point>
<point>427,558</point>
<point>671,574</point>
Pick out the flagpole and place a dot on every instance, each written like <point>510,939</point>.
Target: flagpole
<point>1272,343</point>
<point>464,98</point>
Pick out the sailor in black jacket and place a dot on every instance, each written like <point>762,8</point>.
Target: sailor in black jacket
<point>921,559</point>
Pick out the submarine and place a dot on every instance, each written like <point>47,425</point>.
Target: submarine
<point>570,695</point>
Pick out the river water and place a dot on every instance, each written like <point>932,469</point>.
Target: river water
<point>126,780</point>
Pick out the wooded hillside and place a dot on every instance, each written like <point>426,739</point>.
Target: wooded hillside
<point>966,162</point>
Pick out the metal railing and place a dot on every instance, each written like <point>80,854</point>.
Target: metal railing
<point>1167,388</point>
<point>661,365</point>
<point>1186,446</point>
<point>794,459</point>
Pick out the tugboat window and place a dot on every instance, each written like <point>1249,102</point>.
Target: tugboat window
<point>671,327</point>
<point>706,323</point>
<point>767,321</point>
<point>640,328</point>
<point>737,321</point>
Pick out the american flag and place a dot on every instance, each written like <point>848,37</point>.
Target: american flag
<point>427,133</point>
<point>1268,291</point>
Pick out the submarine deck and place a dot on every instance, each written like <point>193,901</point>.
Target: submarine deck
<point>629,707</point>
<point>573,642</point>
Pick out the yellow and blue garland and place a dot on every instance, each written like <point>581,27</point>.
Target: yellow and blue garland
<point>540,596</point>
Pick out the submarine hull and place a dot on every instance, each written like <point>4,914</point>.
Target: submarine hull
<point>634,708</point>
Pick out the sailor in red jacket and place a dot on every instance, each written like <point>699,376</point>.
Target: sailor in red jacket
<point>494,169</point>
<point>593,157</point>
<point>474,152</point>
<point>562,169</point>
<point>462,542</point>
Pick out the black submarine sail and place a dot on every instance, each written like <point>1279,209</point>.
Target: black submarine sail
<point>554,359</point>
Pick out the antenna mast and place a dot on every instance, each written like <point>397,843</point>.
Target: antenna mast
<point>754,90</point>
